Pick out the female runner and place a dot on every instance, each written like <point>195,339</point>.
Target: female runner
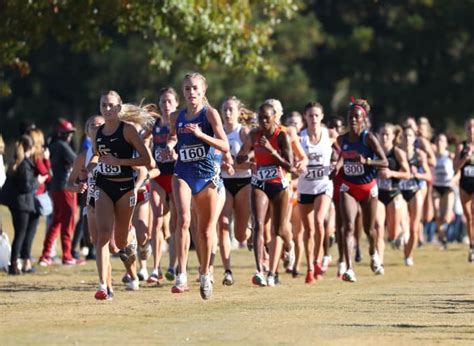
<point>443,193</point>
<point>114,143</point>
<point>411,190</point>
<point>273,158</point>
<point>237,187</point>
<point>389,209</point>
<point>196,132</point>
<point>314,188</point>
<point>359,149</point>
<point>464,162</point>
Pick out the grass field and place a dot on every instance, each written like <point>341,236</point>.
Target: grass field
<point>431,303</point>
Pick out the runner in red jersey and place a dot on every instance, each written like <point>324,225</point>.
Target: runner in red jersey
<point>273,158</point>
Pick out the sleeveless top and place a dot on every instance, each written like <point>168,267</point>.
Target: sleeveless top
<point>195,157</point>
<point>319,162</point>
<point>268,170</point>
<point>235,143</point>
<point>115,145</point>
<point>412,183</point>
<point>160,137</point>
<point>467,171</point>
<point>443,170</point>
<point>393,165</point>
<point>355,172</point>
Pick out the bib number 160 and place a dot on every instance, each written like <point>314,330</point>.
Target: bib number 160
<point>192,154</point>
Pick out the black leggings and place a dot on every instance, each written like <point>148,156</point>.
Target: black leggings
<point>25,225</point>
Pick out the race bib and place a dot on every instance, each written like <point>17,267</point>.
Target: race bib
<point>353,169</point>
<point>384,184</point>
<point>469,171</point>
<point>265,173</point>
<point>315,173</point>
<point>410,184</point>
<point>110,170</point>
<point>161,155</point>
<point>194,153</point>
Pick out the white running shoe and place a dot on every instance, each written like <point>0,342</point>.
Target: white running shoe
<point>206,286</point>
<point>341,269</point>
<point>133,285</point>
<point>181,284</point>
<point>349,276</point>
<point>325,263</point>
<point>271,280</point>
<point>376,264</point>
<point>409,262</point>
<point>143,274</point>
<point>290,257</point>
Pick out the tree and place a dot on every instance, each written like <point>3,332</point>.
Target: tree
<point>236,34</point>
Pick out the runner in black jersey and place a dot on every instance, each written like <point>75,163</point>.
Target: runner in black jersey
<point>114,144</point>
<point>389,209</point>
<point>464,162</point>
<point>411,191</point>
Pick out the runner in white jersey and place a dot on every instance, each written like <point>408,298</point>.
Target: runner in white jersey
<point>237,187</point>
<point>443,193</point>
<point>315,189</point>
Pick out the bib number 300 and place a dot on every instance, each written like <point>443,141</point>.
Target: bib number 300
<point>353,169</point>
<point>191,154</point>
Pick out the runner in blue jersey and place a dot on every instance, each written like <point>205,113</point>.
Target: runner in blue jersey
<point>361,155</point>
<point>195,133</point>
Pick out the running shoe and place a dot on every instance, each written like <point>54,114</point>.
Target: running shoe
<point>310,277</point>
<point>133,285</point>
<point>325,264</point>
<point>358,255</point>
<point>74,262</point>
<point>289,259</point>
<point>271,279</point>
<point>153,278</point>
<point>169,275</point>
<point>318,272</point>
<point>259,279</point>
<point>277,279</point>
<point>45,261</point>
<point>341,269</point>
<point>349,276</point>
<point>409,262</point>
<point>110,293</point>
<point>142,274</point>
<point>181,284</point>
<point>376,264</point>
<point>102,293</point>
<point>126,278</point>
<point>205,288</point>
<point>470,256</point>
<point>228,278</point>
<point>295,273</point>
<point>144,252</point>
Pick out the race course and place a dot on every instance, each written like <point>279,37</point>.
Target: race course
<point>430,303</point>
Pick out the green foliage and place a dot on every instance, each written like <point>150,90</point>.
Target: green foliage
<point>234,34</point>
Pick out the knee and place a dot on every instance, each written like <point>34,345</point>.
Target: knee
<point>319,224</point>
<point>183,222</point>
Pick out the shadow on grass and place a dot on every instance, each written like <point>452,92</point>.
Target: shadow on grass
<point>10,287</point>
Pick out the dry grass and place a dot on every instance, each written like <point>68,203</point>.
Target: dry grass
<point>430,303</point>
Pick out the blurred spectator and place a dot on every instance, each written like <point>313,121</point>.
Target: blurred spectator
<point>19,189</point>
<point>64,202</point>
